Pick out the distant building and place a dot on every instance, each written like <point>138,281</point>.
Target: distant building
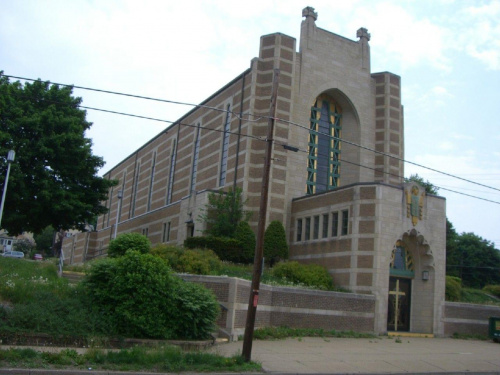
<point>341,196</point>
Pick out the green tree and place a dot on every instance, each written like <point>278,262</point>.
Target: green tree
<point>44,241</point>
<point>223,212</point>
<point>53,180</point>
<point>428,186</point>
<point>275,245</point>
<point>128,241</point>
<point>245,235</point>
<point>477,261</point>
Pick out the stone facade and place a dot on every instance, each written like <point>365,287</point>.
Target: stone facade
<point>346,124</point>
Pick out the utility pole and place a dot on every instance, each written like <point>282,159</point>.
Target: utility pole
<point>259,248</point>
<point>10,158</point>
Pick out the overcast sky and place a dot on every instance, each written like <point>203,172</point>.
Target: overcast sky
<point>447,53</point>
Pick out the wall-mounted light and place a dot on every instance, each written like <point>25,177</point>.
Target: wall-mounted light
<point>425,275</point>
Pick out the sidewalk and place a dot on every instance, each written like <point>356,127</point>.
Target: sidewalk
<point>373,356</point>
<point>350,356</point>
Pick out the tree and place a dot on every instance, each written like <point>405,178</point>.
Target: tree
<point>53,180</point>
<point>275,245</point>
<point>477,261</point>
<point>44,241</point>
<point>245,235</point>
<point>428,186</point>
<point>223,212</point>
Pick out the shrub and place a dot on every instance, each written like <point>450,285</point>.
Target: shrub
<point>227,249</point>
<point>128,241</point>
<point>312,275</point>
<point>196,311</point>
<point>245,235</point>
<point>453,288</point>
<point>196,261</point>
<point>492,289</point>
<point>137,296</point>
<point>275,245</point>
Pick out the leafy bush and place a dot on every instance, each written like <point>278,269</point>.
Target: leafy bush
<point>245,235</point>
<point>227,249</point>
<point>275,245</point>
<point>312,275</point>
<point>453,288</point>
<point>196,311</point>
<point>128,241</point>
<point>196,261</point>
<point>492,289</point>
<point>137,296</point>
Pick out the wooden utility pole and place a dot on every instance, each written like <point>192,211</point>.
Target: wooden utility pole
<point>259,248</point>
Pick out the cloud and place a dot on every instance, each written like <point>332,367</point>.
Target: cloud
<point>479,33</point>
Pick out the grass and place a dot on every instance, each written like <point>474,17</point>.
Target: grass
<point>164,359</point>
<point>478,296</point>
<point>280,333</point>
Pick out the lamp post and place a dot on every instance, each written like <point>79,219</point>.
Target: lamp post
<point>10,158</point>
<point>119,196</point>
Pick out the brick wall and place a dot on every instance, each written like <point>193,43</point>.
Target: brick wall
<point>466,318</point>
<point>292,307</point>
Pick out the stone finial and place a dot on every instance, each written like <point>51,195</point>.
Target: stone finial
<point>363,33</point>
<point>309,12</point>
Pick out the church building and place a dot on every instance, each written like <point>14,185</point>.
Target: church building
<point>336,178</point>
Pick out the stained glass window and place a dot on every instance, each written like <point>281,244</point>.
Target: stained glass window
<point>323,166</point>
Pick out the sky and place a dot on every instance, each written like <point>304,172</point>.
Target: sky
<point>447,53</point>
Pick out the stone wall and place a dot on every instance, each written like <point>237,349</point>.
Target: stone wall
<point>466,318</point>
<point>291,307</point>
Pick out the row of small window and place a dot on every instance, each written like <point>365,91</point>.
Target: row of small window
<point>310,228</point>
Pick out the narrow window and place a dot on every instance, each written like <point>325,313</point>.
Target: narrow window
<point>195,159</point>
<point>225,148</point>
<point>325,225</point>
<point>345,222</point>
<point>164,233</point>
<point>323,165</point>
<point>121,199</point>
<point>168,231</point>
<point>299,230</point>
<point>308,229</point>
<point>145,231</point>
<point>136,185</point>
<point>171,174</point>
<point>316,228</point>
<point>151,181</point>
<point>335,224</point>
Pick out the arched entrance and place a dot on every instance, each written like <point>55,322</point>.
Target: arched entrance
<point>410,298</point>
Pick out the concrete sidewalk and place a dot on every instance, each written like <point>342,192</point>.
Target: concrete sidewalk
<point>382,355</point>
<point>373,356</point>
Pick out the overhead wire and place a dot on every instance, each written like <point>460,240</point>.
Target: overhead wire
<point>259,118</point>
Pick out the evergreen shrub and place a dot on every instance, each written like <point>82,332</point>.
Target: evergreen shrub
<point>227,249</point>
<point>453,290</point>
<point>275,245</point>
<point>128,241</point>
<point>492,289</point>
<point>312,275</point>
<point>246,236</point>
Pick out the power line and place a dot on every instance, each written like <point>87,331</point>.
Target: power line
<point>137,96</point>
<point>255,120</point>
<point>388,155</point>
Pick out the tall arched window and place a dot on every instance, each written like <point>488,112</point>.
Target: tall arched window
<point>323,165</point>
